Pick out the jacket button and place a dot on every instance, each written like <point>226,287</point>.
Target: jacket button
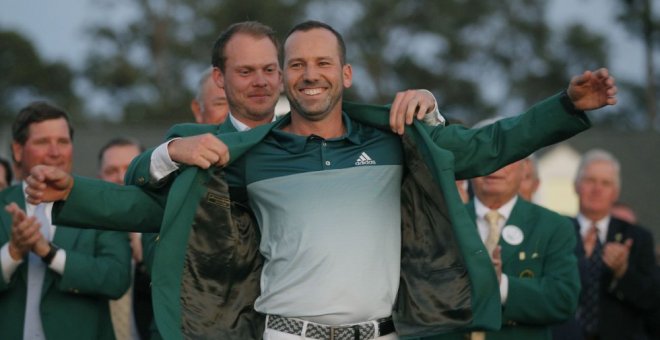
<point>141,180</point>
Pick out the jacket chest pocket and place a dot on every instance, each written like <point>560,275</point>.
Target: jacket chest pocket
<point>525,265</point>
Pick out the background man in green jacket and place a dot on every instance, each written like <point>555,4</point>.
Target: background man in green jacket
<point>438,247</point>
<point>56,281</point>
<point>531,248</point>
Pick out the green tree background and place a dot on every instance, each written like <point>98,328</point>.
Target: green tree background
<point>479,58</point>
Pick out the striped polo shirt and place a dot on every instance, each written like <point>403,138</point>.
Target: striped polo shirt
<point>329,214</point>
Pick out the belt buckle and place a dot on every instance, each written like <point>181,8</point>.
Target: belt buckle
<point>334,329</point>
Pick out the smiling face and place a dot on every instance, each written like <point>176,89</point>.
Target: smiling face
<point>499,187</point>
<point>314,77</point>
<point>252,78</point>
<point>48,143</point>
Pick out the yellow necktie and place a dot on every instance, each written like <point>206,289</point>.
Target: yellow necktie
<point>120,313</point>
<point>493,219</point>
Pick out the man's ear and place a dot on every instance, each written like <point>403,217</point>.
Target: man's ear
<point>347,70</point>
<point>17,152</point>
<point>196,110</point>
<point>218,77</point>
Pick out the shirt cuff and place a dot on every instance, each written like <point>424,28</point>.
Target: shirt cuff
<point>504,288</point>
<point>57,265</point>
<point>161,163</point>
<point>434,117</point>
<point>9,265</point>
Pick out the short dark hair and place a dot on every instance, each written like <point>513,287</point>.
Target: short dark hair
<point>252,28</point>
<point>9,175</point>
<point>313,24</point>
<point>36,112</point>
<point>119,141</point>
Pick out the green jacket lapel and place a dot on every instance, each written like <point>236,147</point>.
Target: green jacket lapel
<point>240,142</point>
<point>64,238</point>
<point>14,194</point>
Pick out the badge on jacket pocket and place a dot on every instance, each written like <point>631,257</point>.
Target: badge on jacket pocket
<point>512,235</point>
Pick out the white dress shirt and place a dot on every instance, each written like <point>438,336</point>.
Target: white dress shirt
<point>482,224</point>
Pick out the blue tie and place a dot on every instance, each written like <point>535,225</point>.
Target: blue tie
<point>588,314</point>
<point>33,329</point>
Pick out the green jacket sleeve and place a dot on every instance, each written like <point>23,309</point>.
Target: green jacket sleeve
<point>138,172</point>
<point>97,204</point>
<point>105,271</point>
<point>478,152</point>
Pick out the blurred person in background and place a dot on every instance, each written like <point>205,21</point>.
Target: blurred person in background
<point>132,314</point>
<point>616,260</point>
<point>530,182</point>
<point>210,105</point>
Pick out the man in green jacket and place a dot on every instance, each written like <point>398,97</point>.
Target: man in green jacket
<point>56,281</point>
<point>532,252</point>
<point>445,279</point>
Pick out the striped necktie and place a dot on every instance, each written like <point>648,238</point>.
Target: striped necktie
<point>588,313</point>
<point>493,219</point>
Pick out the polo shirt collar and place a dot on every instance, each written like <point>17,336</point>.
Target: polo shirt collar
<point>296,143</point>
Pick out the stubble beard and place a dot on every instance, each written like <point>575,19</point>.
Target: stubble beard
<point>322,110</point>
<point>254,114</point>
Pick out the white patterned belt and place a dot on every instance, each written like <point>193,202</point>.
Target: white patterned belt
<point>364,330</point>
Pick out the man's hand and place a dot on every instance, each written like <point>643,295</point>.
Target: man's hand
<point>592,90</point>
<point>409,105</point>
<point>24,232</point>
<point>615,256</point>
<point>202,151</point>
<point>48,184</point>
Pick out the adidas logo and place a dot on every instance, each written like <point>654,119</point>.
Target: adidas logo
<point>364,159</point>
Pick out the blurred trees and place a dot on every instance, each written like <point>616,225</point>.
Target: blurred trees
<point>479,58</point>
<point>143,66</point>
<point>24,77</point>
<point>638,17</point>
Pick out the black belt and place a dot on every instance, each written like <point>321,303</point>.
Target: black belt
<point>365,330</point>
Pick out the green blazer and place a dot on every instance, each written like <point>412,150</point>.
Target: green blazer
<point>73,305</point>
<point>447,280</point>
<point>544,282</point>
